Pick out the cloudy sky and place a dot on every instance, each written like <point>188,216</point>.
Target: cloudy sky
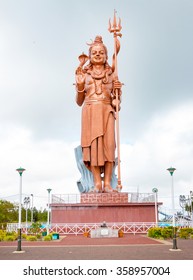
<point>40,121</point>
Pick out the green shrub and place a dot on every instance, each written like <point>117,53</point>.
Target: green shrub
<point>160,233</point>
<point>166,232</point>
<point>154,232</point>
<point>9,238</point>
<point>185,233</point>
<point>2,234</point>
<point>10,233</point>
<point>31,238</point>
<point>35,228</point>
<point>24,235</point>
<point>39,236</point>
<point>47,237</point>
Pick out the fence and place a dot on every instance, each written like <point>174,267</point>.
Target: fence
<point>65,229</point>
<point>76,198</point>
<point>76,229</point>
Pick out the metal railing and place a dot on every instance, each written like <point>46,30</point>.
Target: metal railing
<point>72,228</point>
<point>132,228</point>
<point>76,229</point>
<point>134,197</point>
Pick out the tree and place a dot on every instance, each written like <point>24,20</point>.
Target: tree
<point>42,215</point>
<point>8,212</point>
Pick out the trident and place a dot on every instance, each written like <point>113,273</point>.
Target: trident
<point>115,29</point>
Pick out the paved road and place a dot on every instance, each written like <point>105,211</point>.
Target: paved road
<point>78,248</point>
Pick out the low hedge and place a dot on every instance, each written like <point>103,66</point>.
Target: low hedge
<point>31,238</point>
<point>155,232</point>
<point>7,236</point>
<point>47,237</point>
<point>185,233</point>
<point>167,232</point>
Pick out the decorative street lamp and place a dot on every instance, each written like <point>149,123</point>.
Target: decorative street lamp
<point>191,207</point>
<point>182,202</point>
<point>26,201</point>
<point>171,170</point>
<point>32,208</point>
<point>155,191</point>
<point>20,171</point>
<point>48,216</point>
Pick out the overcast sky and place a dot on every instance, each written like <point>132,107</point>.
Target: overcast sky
<point>40,121</point>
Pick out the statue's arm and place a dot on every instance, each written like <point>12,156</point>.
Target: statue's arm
<point>117,85</point>
<point>80,96</point>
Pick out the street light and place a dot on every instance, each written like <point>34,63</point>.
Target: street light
<point>191,208</point>
<point>20,171</point>
<point>182,202</point>
<point>32,208</point>
<point>26,201</point>
<point>171,170</point>
<point>48,221</point>
<point>155,191</point>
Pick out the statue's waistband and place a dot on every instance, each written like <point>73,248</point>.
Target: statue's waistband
<point>102,100</point>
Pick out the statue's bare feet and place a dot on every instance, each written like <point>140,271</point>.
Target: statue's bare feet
<point>109,189</point>
<point>97,188</point>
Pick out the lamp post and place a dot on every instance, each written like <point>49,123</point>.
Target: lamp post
<point>26,202</point>
<point>48,216</point>
<point>155,191</point>
<point>32,208</point>
<point>171,170</point>
<point>191,207</point>
<point>20,171</point>
<point>182,202</point>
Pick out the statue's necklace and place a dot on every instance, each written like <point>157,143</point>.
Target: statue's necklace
<point>98,74</point>
<point>98,86</point>
<point>98,80</point>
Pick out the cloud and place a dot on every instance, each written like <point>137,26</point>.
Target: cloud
<point>166,142</point>
<point>48,164</point>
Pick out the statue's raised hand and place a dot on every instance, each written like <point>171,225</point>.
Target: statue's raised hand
<point>80,78</point>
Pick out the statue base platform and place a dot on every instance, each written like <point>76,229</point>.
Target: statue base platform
<point>103,198</point>
<point>99,207</point>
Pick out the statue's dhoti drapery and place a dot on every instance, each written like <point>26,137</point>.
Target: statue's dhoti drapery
<point>98,136</point>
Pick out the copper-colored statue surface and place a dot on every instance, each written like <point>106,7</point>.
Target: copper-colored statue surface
<point>99,91</point>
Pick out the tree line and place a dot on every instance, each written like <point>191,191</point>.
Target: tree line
<point>9,213</point>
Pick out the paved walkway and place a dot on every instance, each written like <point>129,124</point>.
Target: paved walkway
<point>70,247</point>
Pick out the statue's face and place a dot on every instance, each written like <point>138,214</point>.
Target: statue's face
<point>98,55</point>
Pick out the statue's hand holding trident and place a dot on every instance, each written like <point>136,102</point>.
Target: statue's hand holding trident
<point>115,29</point>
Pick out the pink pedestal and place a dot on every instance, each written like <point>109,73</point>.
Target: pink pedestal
<point>108,207</point>
<point>104,198</point>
